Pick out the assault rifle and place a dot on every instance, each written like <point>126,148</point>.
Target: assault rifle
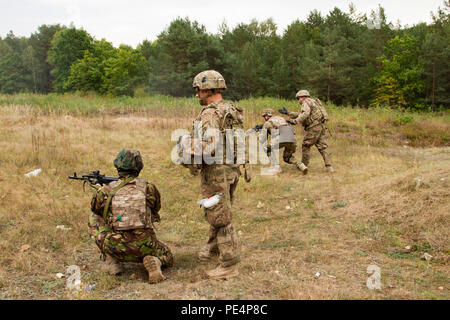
<point>256,128</point>
<point>286,112</point>
<point>94,178</point>
<point>283,111</point>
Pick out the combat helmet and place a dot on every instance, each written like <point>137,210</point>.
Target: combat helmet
<point>209,79</point>
<point>129,162</point>
<point>269,112</point>
<point>302,93</point>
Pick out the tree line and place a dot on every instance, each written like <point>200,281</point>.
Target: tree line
<point>344,57</point>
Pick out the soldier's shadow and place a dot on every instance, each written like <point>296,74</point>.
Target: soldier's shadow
<point>187,267</point>
<point>134,271</point>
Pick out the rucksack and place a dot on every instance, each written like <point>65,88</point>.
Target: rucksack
<point>322,109</point>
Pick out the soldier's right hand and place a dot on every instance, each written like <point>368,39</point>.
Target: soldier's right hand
<point>283,111</point>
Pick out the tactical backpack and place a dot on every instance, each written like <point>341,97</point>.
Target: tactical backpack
<point>128,205</point>
<point>232,118</point>
<point>322,109</point>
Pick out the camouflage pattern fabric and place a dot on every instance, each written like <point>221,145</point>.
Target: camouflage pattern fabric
<point>267,112</point>
<point>315,136</point>
<point>222,239</point>
<point>209,79</point>
<point>302,93</point>
<point>220,178</point>
<point>219,116</point>
<point>129,207</point>
<point>309,116</point>
<point>312,119</point>
<point>276,122</point>
<point>288,152</point>
<point>129,161</point>
<point>128,245</point>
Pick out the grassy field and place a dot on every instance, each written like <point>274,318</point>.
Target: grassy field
<point>390,190</point>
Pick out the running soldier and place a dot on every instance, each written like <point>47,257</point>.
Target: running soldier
<point>313,117</point>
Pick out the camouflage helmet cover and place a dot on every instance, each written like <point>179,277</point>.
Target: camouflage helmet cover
<point>302,93</point>
<point>129,161</point>
<point>209,79</point>
<point>268,112</point>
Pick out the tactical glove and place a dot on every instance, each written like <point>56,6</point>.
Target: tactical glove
<point>283,111</point>
<point>258,127</point>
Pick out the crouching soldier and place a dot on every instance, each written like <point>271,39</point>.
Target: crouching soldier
<point>285,138</point>
<point>121,222</point>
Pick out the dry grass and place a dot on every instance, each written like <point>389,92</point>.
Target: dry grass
<point>386,209</point>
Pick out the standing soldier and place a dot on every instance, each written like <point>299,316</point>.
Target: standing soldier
<point>218,177</point>
<point>313,117</point>
<point>121,222</point>
<point>284,139</point>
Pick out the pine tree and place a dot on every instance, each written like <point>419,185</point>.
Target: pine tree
<point>41,42</point>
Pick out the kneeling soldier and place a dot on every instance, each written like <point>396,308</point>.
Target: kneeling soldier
<point>121,222</point>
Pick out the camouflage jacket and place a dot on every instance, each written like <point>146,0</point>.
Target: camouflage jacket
<point>277,122</point>
<point>153,200</point>
<point>309,116</point>
<point>215,118</point>
<point>274,123</point>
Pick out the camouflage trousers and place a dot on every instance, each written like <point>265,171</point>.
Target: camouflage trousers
<point>288,151</point>
<point>222,239</point>
<point>129,245</point>
<point>315,136</point>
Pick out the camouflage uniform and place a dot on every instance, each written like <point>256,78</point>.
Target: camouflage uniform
<point>276,122</point>
<point>218,178</point>
<point>127,245</point>
<point>312,120</point>
<point>215,179</point>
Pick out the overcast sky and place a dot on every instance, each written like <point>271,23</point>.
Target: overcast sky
<point>131,22</point>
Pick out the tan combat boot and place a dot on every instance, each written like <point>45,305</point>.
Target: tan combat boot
<point>112,266</point>
<point>302,168</point>
<point>223,272</point>
<point>329,169</point>
<point>153,266</point>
